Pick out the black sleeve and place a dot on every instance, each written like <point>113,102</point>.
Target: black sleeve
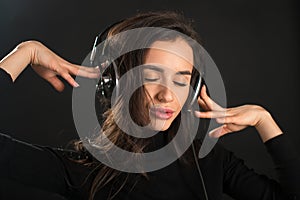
<point>12,189</point>
<point>287,163</point>
<point>5,81</point>
<point>28,170</point>
<point>241,182</point>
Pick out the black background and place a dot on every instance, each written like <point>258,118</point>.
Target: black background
<point>255,45</point>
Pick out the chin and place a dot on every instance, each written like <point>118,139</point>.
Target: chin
<point>160,125</point>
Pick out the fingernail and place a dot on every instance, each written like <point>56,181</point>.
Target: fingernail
<point>76,85</point>
<point>197,113</point>
<point>213,134</point>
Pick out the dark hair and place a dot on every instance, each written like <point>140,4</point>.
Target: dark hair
<point>170,20</point>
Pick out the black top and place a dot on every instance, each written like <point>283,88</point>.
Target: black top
<point>35,172</point>
<point>5,81</point>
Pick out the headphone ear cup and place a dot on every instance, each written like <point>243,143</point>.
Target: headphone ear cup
<point>104,90</point>
<point>203,123</point>
<point>196,82</point>
<point>101,56</point>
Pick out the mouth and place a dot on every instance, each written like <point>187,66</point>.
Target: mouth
<point>161,112</point>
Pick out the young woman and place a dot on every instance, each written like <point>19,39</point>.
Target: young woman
<point>166,69</point>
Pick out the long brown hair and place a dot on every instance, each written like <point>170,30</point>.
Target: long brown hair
<point>139,113</point>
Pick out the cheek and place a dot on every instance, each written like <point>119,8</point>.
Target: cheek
<point>150,90</point>
<point>150,93</point>
<point>181,95</point>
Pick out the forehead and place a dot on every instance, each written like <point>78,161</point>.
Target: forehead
<point>176,54</point>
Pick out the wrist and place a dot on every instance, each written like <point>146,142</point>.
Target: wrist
<point>17,60</point>
<point>267,127</point>
<point>264,117</point>
<point>29,49</point>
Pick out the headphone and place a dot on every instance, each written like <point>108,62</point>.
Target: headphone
<point>109,80</point>
<point>109,76</point>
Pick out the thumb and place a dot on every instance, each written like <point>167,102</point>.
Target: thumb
<point>218,132</point>
<point>56,83</point>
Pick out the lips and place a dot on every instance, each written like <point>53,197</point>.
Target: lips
<point>161,112</point>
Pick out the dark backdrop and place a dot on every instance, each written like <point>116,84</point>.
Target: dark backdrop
<point>255,45</point>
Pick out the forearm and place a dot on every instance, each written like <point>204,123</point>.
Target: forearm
<point>267,127</point>
<point>242,182</point>
<point>17,60</point>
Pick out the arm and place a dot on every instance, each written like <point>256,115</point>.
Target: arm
<point>29,171</point>
<point>25,167</point>
<point>17,60</point>
<point>45,63</point>
<point>12,189</point>
<point>241,182</point>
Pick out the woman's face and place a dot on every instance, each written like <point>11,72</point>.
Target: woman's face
<point>167,75</point>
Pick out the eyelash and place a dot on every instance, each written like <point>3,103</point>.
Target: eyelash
<point>156,79</point>
<point>151,79</point>
<point>180,84</point>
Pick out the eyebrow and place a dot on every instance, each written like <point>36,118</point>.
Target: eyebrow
<point>184,72</point>
<point>152,67</point>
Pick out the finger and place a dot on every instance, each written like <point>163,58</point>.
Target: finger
<point>208,101</point>
<point>218,132</point>
<point>88,69</point>
<point>93,70</point>
<point>226,119</point>
<point>89,72</point>
<point>202,104</point>
<point>225,129</point>
<point>56,83</point>
<point>211,114</point>
<point>70,79</point>
<point>205,97</point>
<point>234,127</point>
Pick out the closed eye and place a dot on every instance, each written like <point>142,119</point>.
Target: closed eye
<point>151,79</point>
<point>180,80</point>
<point>180,84</point>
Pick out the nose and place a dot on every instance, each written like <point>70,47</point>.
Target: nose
<point>165,95</point>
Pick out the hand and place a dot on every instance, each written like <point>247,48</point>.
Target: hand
<point>45,63</point>
<point>48,65</point>
<point>237,118</point>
